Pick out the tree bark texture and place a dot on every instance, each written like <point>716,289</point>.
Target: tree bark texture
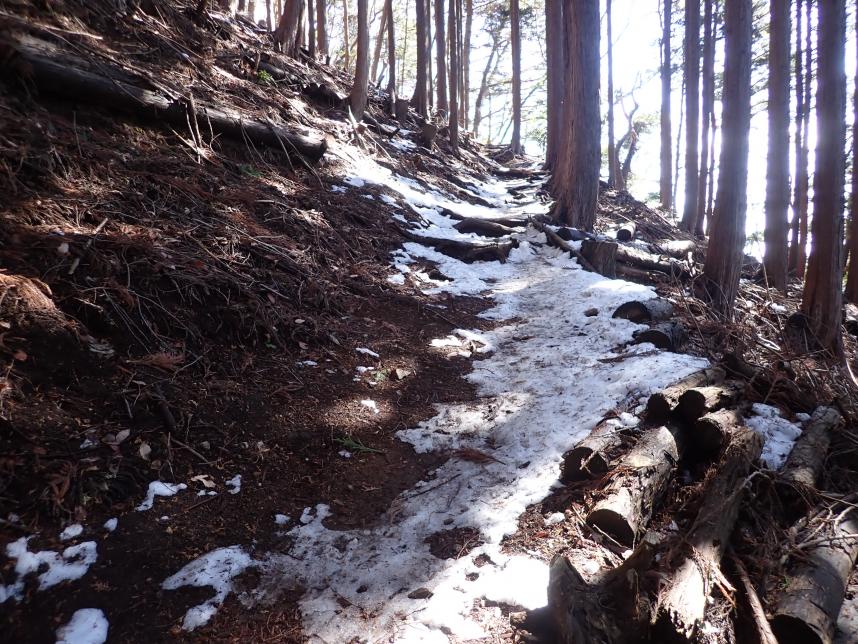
<point>727,242</point>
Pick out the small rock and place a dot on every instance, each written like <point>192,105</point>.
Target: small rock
<point>591,312</point>
<point>420,593</point>
<point>402,374</point>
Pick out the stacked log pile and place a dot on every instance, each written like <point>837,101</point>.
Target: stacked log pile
<point>676,582</point>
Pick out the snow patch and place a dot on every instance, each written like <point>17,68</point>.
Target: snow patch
<point>110,524</point>
<point>371,405</point>
<point>86,626</point>
<point>778,433</point>
<point>368,352</point>
<point>234,484</point>
<point>72,531</point>
<point>216,569</point>
<point>159,488</point>
<point>72,564</point>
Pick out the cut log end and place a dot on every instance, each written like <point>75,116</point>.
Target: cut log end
<point>670,336</point>
<point>654,310</point>
<point>792,630</point>
<point>582,463</point>
<point>613,524</point>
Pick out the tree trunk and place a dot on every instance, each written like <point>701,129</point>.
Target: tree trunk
<point>515,39</point>
<point>311,27</point>
<point>269,21</point>
<point>613,163</point>
<point>692,112</point>
<point>578,182</point>
<point>708,100</point>
<point>357,98</point>
<point>465,106</point>
<point>666,182</point>
<point>798,245</point>
<point>726,245</point>
<point>286,34</point>
<point>555,52</point>
<point>420,99</point>
<point>430,91</point>
<point>441,105</point>
<point>452,37</point>
<point>851,293</point>
<point>379,40</point>
<point>321,29</point>
<point>391,54</point>
<point>347,39</point>
<point>822,299</point>
<point>777,176</point>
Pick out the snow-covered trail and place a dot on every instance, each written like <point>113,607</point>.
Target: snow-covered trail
<point>542,385</point>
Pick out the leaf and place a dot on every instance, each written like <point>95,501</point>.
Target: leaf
<point>145,450</point>
<point>205,479</point>
<point>20,356</point>
<point>121,436</point>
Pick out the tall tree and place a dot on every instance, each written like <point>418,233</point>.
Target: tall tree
<point>440,58</point>
<point>613,163</point>
<point>321,29</point>
<point>466,63</point>
<point>727,241</point>
<point>515,39</point>
<point>311,27</point>
<point>666,182</point>
<point>777,175</point>
<point>357,98</point>
<point>346,35</point>
<point>452,37</point>
<point>379,40</point>
<point>420,100</point>
<point>556,54</point>
<point>851,293</point>
<point>822,300</point>
<point>798,243</point>
<point>391,54</point>
<point>692,112</point>
<point>576,185</point>
<point>287,32</point>
<point>707,133</point>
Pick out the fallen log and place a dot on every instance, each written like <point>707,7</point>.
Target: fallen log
<point>637,487</point>
<point>649,261</point>
<point>640,275</point>
<point>602,255</point>
<point>467,252</point>
<point>661,404</point>
<point>699,401</point>
<point>713,430</point>
<point>676,248</point>
<point>588,459</point>
<point>670,336</point>
<point>483,227</point>
<point>627,232</point>
<point>555,240</point>
<point>573,234</point>
<point>682,606</point>
<point>509,222</point>
<point>805,462</point>
<point>75,83</point>
<point>807,611</point>
<point>654,310</point>
<point>607,608</point>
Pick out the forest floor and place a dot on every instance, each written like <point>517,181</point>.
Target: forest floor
<point>242,402</point>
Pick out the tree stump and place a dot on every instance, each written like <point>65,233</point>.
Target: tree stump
<point>602,255</point>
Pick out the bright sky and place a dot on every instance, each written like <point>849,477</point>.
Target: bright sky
<point>637,29</point>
